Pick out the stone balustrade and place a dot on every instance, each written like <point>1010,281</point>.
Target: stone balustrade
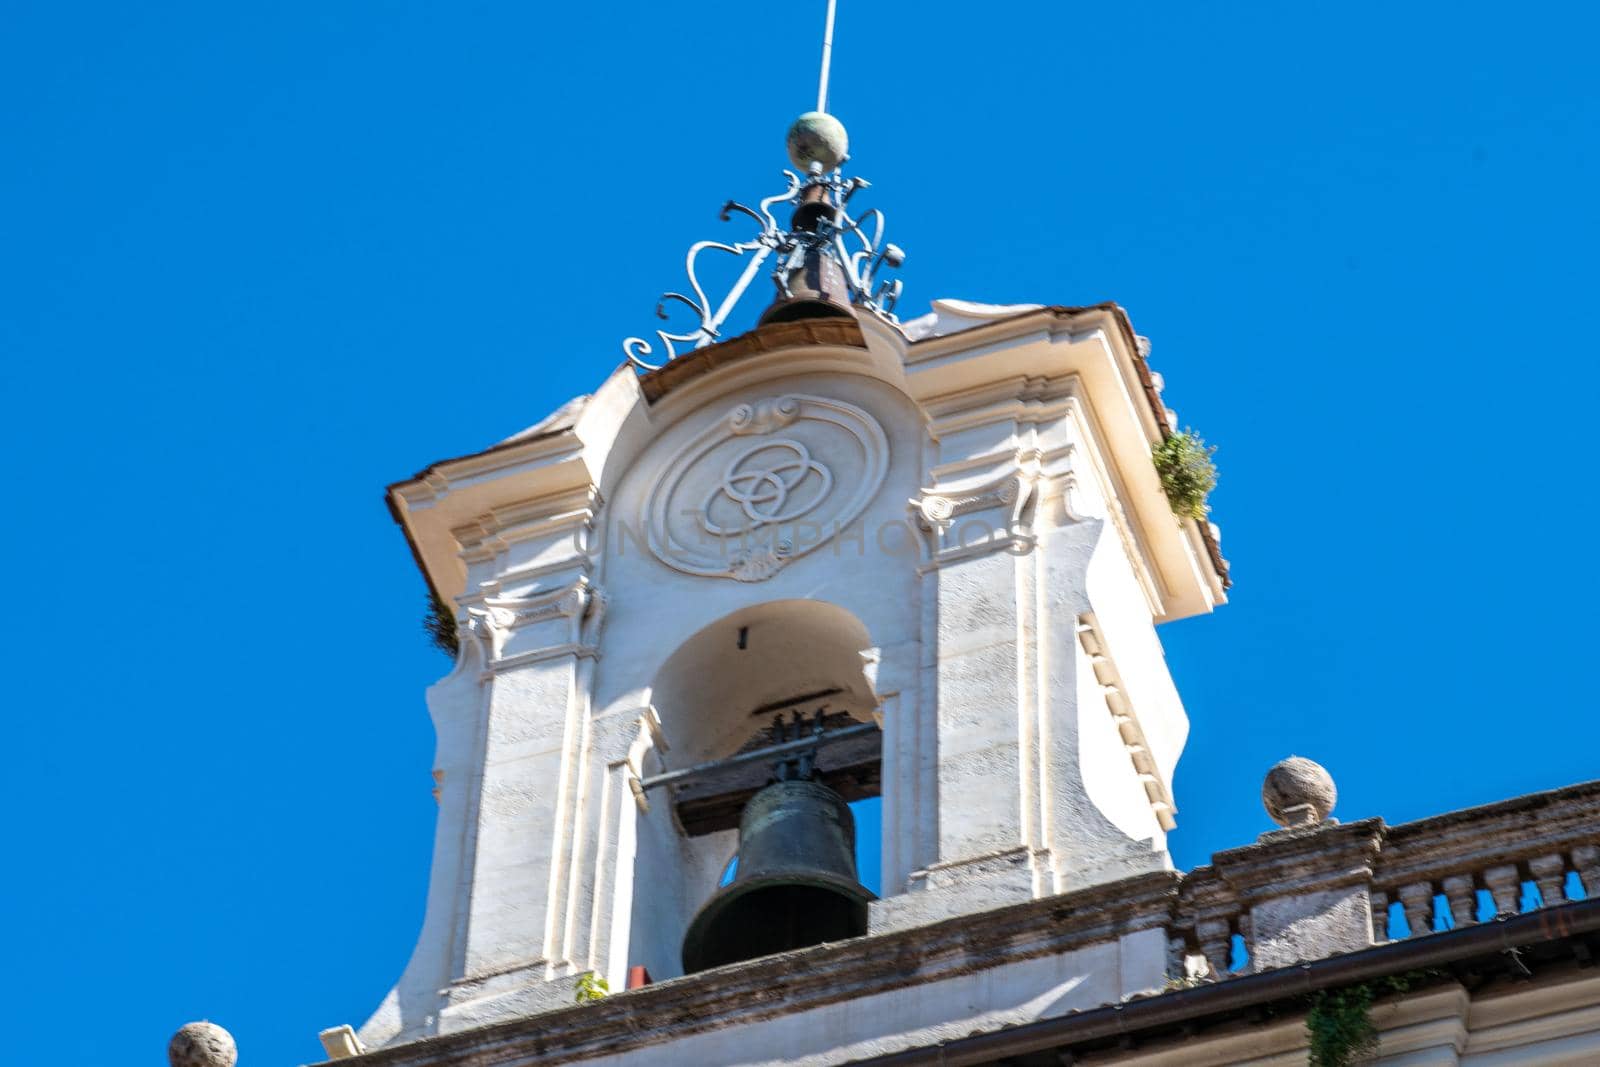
<point>1472,865</point>
<point>1311,891</point>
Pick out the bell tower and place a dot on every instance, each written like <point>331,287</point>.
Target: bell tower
<point>755,576</point>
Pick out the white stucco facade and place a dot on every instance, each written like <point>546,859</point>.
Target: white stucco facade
<point>955,527</point>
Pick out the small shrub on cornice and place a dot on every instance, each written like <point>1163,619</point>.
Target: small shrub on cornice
<point>591,987</point>
<point>1339,1025</point>
<point>1188,474</point>
<point>439,622</point>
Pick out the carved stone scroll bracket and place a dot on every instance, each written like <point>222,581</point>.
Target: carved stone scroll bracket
<point>474,645</point>
<point>974,522</point>
<point>1060,494</point>
<point>998,515</point>
<point>566,621</point>
<point>764,416</point>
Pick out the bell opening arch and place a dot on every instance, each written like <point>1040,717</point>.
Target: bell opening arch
<point>717,695</point>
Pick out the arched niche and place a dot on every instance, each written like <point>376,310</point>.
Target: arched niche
<point>716,694</point>
<point>710,690</point>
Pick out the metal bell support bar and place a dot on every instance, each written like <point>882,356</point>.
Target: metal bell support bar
<point>810,744</point>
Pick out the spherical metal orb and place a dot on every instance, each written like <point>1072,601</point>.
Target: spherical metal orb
<point>818,137</point>
<point>1298,783</point>
<point>202,1045</point>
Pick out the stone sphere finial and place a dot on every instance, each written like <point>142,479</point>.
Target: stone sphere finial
<point>818,137</point>
<point>1298,792</point>
<point>202,1044</point>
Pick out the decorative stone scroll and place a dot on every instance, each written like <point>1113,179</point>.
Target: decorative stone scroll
<point>991,516</point>
<point>767,483</point>
<point>516,630</point>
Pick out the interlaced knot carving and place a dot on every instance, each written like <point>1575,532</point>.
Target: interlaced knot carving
<point>765,491</point>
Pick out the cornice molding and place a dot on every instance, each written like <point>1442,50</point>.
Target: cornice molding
<point>770,338</point>
<point>740,994</point>
<point>573,511</point>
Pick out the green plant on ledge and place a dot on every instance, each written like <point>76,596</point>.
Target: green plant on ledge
<point>1183,462</point>
<point>440,625</point>
<point>1339,1023</point>
<point>1339,1026</point>
<point>591,987</point>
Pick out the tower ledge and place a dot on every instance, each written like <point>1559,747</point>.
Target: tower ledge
<point>1110,971</point>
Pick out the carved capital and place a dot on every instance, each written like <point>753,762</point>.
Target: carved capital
<point>974,519</point>
<point>579,606</point>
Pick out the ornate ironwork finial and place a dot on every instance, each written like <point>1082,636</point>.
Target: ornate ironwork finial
<point>825,260</point>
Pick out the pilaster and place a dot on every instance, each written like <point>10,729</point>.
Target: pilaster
<point>1010,539</point>
<point>528,831</point>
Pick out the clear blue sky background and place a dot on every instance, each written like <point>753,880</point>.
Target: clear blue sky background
<point>261,260</point>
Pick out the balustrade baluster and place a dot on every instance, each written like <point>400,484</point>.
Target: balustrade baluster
<point>1550,875</point>
<point>1216,943</point>
<point>1417,900</point>
<point>1505,886</point>
<point>1462,896</point>
<point>1380,917</point>
<point>1586,858</point>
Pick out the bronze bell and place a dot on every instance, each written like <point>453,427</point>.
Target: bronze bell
<point>815,288</point>
<point>796,882</point>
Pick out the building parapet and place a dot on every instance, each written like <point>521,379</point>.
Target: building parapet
<point>1444,872</point>
<point>1482,862</point>
<point>1307,894</point>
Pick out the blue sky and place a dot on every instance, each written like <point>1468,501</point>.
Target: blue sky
<point>261,260</point>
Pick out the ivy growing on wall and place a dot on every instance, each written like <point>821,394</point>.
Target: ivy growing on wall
<point>1187,473</point>
<point>1339,1023</point>
<point>439,623</point>
<point>1339,1026</point>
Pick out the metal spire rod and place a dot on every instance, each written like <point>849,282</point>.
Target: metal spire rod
<point>827,57</point>
<point>820,236</point>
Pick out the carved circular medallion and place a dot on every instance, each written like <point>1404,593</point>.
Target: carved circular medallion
<point>742,499</point>
<point>770,482</point>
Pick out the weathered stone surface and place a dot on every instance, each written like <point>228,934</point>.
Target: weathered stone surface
<point>1298,790</point>
<point>1305,894</point>
<point>1309,926</point>
<point>854,998</point>
<point>202,1044</point>
<point>1495,846</point>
